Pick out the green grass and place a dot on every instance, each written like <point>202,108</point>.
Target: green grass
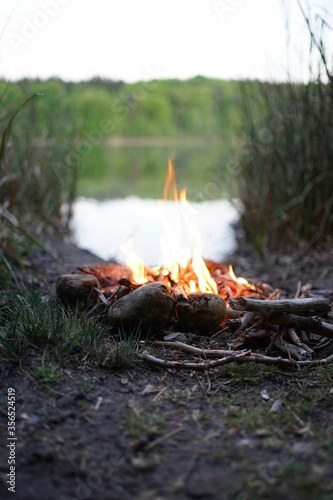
<point>35,326</point>
<point>243,407</point>
<point>48,372</point>
<point>140,421</point>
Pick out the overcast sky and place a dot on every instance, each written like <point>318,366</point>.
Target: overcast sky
<point>136,40</point>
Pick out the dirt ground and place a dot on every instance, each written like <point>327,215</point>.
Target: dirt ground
<point>147,433</point>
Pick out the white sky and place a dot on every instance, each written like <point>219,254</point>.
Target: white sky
<point>136,40</point>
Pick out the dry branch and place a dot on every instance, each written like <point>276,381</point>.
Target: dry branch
<point>294,351</point>
<point>312,324</point>
<point>238,358</point>
<point>189,349</point>
<point>268,307</point>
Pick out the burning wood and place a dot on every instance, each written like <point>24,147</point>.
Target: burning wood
<point>196,296</point>
<point>123,301</point>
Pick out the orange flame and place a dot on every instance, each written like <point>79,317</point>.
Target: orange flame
<point>240,281</point>
<point>134,262</point>
<point>170,186</point>
<point>175,258</point>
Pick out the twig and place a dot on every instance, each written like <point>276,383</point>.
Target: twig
<point>245,320</point>
<point>235,358</point>
<point>180,346</point>
<point>297,341</point>
<point>293,350</point>
<point>310,324</point>
<point>160,439</point>
<point>323,343</point>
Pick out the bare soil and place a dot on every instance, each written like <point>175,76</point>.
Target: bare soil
<point>147,433</point>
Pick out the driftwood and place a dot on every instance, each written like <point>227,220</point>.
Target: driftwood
<point>268,307</point>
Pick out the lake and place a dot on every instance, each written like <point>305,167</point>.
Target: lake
<point>102,226</point>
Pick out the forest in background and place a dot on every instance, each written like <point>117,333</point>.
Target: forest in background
<point>197,122</point>
<point>199,107</point>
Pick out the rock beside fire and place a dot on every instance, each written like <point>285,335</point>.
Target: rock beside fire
<point>202,311</point>
<point>149,307</point>
<point>77,288</point>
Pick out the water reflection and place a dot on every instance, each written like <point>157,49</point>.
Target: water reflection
<point>101,227</point>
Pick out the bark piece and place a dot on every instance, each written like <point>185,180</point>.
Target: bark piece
<point>77,288</point>
<point>149,307</point>
<point>202,311</point>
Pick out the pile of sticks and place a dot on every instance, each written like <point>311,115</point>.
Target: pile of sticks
<point>287,324</point>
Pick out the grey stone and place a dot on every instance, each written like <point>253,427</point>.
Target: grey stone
<point>149,307</point>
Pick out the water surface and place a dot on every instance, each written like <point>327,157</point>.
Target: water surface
<point>102,227</point>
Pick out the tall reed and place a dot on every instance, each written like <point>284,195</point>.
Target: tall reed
<point>286,169</point>
<point>34,183</point>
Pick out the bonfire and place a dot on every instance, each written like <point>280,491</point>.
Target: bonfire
<point>186,295</point>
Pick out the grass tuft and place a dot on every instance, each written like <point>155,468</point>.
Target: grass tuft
<point>37,325</point>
